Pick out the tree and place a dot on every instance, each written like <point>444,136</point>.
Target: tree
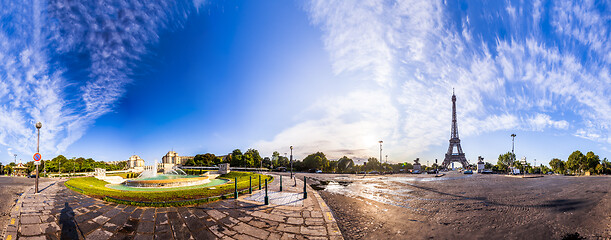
<point>316,161</point>
<point>575,161</point>
<point>252,158</point>
<point>507,159</point>
<point>207,159</point>
<point>558,166</point>
<point>190,162</point>
<point>267,162</point>
<point>591,161</point>
<point>345,164</point>
<point>235,158</point>
<point>372,164</point>
<point>600,169</point>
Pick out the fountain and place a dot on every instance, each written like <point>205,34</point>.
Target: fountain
<point>174,177</point>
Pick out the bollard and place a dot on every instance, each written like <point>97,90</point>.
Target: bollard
<point>305,192</point>
<point>259,182</point>
<point>280,183</point>
<point>266,198</point>
<point>236,189</point>
<point>250,186</point>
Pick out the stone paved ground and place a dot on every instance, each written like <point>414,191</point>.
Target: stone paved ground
<point>59,213</point>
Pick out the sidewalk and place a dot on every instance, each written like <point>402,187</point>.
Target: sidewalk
<point>59,213</point>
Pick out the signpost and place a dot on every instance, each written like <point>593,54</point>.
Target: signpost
<point>37,155</point>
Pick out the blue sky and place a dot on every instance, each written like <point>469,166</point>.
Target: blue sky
<point>116,78</point>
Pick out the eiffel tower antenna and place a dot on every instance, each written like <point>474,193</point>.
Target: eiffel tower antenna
<point>454,142</point>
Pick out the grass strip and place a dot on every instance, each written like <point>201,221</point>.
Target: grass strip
<point>96,188</point>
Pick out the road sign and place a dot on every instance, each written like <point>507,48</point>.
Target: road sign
<point>37,157</point>
<point>37,163</point>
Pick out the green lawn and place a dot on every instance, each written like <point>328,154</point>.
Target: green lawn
<point>96,188</point>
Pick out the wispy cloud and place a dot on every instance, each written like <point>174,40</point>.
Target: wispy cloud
<point>38,38</point>
<point>416,52</point>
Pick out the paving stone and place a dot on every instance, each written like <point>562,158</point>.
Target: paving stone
<point>208,221</point>
<point>316,214</point>
<point>116,222</point>
<point>129,209</point>
<point>112,212</point>
<point>99,234</point>
<point>216,214</point>
<point>203,234</point>
<point>199,213</point>
<point>50,227</point>
<point>260,224</point>
<point>274,236</point>
<point>161,218</point>
<point>137,213</point>
<point>48,218</point>
<point>163,228</point>
<point>294,220</point>
<point>34,238</point>
<point>140,236</point>
<point>29,219</point>
<point>314,230</point>
<point>30,230</point>
<point>243,237</point>
<point>193,223</point>
<point>243,228</point>
<point>223,230</point>
<point>101,219</point>
<point>314,221</point>
<point>163,235</point>
<point>88,226</point>
<point>148,215</point>
<point>146,227</point>
<point>129,227</point>
<point>288,228</point>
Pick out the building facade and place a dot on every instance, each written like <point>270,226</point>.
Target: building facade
<point>135,162</point>
<point>172,158</point>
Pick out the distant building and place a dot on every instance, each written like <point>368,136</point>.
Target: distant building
<point>172,158</point>
<point>135,162</point>
<point>114,162</point>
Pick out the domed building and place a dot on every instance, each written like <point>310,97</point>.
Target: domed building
<point>135,162</point>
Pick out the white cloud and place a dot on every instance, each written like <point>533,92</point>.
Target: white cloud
<point>36,39</point>
<point>541,121</point>
<point>415,56</point>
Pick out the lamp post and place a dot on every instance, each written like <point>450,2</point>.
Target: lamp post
<point>291,147</point>
<point>513,136</point>
<point>380,150</point>
<point>38,126</point>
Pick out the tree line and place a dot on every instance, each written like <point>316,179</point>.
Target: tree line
<point>576,163</point>
<point>72,165</point>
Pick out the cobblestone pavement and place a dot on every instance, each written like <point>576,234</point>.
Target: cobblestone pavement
<point>59,213</point>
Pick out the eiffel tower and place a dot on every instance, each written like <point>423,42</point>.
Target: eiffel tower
<point>454,142</point>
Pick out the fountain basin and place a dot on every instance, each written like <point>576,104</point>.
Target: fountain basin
<point>167,181</point>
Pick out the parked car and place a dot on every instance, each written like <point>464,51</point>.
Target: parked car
<point>318,171</point>
<point>468,172</point>
<point>486,171</point>
<point>416,171</point>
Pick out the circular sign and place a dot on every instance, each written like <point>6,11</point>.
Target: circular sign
<point>37,157</point>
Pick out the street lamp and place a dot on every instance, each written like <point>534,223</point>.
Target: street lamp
<point>380,149</point>
<point>513,136</point>
<point>291,147</point>
<point>38,126</point>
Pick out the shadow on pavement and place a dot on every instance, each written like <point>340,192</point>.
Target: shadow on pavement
<point>69,229</point>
